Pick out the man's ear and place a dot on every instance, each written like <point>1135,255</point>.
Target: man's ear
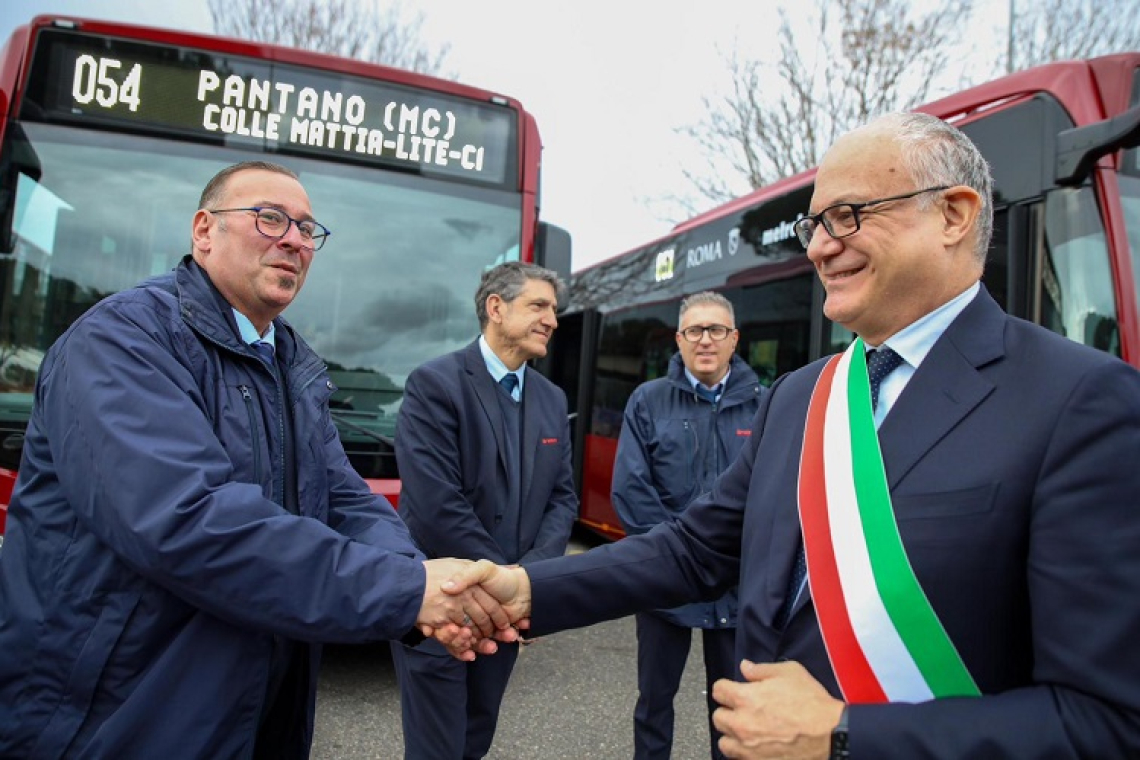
<point>961,206</point>
<point>494,307</point>
<point>200,231</point>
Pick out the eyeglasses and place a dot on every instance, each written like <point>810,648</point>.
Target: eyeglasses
<point>842,219</point>
<point>696,332</point>
<point>274,223</point>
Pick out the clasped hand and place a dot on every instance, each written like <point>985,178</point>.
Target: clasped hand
<point>468,606</point>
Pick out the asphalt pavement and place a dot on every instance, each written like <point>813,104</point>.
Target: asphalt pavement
<point>571,697</point>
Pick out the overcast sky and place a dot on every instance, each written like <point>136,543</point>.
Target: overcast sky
<point>608,81</point>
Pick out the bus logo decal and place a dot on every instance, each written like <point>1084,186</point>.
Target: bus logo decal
<point>781,232</point>
<point>704,253</point>
<point>663,268</point>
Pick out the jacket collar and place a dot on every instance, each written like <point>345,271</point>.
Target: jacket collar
<point>205,310</point>
<point>742,381</point>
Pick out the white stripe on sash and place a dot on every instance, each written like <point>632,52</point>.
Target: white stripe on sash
<point>883,647</point>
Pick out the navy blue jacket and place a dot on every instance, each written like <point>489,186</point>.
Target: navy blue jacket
<point>147,567</point>
<point>1011,461</point>
<point>453,467</point>
<point>672,447</point>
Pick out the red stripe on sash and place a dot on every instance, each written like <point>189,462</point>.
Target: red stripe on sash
<point>852,671</point>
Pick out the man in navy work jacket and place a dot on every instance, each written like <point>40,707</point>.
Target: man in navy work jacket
<point>185,523</point>
<point>678,434</point>
<point>977,468</point>
<point>483,446</point>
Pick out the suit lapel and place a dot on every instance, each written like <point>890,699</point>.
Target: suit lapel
<point>945,389</point>
<point>531,414</point>
<point>485,391</point>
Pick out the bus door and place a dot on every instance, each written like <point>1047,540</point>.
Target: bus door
<point>570,365</point>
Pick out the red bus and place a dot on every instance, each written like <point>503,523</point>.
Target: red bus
<point>110,132</point>
<point>1065,254</point>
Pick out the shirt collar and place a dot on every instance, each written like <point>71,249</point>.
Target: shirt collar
<point>719,387</point>
<point>249,332</point>
<point>496,366</point>
<point>914,342</point>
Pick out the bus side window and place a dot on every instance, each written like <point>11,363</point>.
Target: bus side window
<point>1074,295</point>
<point>774,319</point>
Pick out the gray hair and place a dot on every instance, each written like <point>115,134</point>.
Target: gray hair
<point>936,153</point>
<point>216,188</point>
<point>707,298</point>
<point>507,281</point>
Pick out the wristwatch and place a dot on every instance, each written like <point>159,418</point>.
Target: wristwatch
<point>839,749</point>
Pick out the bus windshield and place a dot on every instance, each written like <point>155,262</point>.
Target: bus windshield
<point>96,212</point>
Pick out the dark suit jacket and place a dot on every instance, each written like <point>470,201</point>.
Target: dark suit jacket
<point>1013,458</point>
<point>450,449</point>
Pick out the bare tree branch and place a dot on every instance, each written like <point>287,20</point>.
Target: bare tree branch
<point>1055,30</point>
<point>858,59</point>
<point>360,29</point>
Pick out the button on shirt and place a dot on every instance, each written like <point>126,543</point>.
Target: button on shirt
<point>497,369</point>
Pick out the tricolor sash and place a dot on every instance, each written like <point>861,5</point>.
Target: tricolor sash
<point>884,640</point>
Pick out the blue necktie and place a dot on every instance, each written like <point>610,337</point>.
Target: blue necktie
<point>509,381</point>
<point>880,363</point>
<point>708,395</point>
<point>264,350</point>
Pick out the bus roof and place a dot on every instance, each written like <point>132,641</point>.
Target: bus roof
<point>1088,90</point>
<point>264,51</point>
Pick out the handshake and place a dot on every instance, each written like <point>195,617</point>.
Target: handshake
<point>468,606</point>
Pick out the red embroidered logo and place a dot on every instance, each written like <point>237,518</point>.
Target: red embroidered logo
<point>549,441</point>
<point>743,433</point>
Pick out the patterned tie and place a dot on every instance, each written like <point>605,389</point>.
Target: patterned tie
<point>265,350</point>
<point>509,381</point>
<point>880,363</point>
<point>707,394</point>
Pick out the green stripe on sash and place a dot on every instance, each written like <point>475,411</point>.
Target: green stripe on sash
<point>905,601</point>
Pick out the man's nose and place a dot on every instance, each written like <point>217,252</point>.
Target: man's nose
<point>822,244</point>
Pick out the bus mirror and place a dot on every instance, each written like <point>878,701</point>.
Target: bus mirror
<point>552,249</point>
<point>1079,149</point>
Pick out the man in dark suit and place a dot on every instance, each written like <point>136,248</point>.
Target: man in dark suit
<point>483,446</point>
<point>968,508</point>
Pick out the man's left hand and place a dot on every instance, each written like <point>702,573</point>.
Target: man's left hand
<point>780,712</point>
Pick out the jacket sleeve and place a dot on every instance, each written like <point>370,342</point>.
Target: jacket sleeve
<point>444,522</point>
<point>635,497</point>
<point>1082,570</point>
<point>355,511</point>
<point>139,462</point>
<point>562,508</point>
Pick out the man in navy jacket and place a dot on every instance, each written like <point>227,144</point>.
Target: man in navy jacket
<point>1006,460</point>
<point>177,540</point>
<point>483,447</point>
<point>678,434</point>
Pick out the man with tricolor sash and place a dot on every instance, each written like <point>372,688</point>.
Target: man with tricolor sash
<point>959,491</point>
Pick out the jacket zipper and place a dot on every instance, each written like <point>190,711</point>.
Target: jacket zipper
<point>253,426</point>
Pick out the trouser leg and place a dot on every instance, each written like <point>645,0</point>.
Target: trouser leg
<point>662,649</point>
<point>433,701</point>
<point>720,662</point>
<point>487,679</point>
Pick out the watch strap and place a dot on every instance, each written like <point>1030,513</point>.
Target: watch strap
<point>839,748</point>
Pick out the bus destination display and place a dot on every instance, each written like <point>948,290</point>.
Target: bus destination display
<point>288,108</point>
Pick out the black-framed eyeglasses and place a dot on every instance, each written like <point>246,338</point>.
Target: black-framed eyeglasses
<point>842,219</point>
<point>274,223</point>
<point>696,332</point>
